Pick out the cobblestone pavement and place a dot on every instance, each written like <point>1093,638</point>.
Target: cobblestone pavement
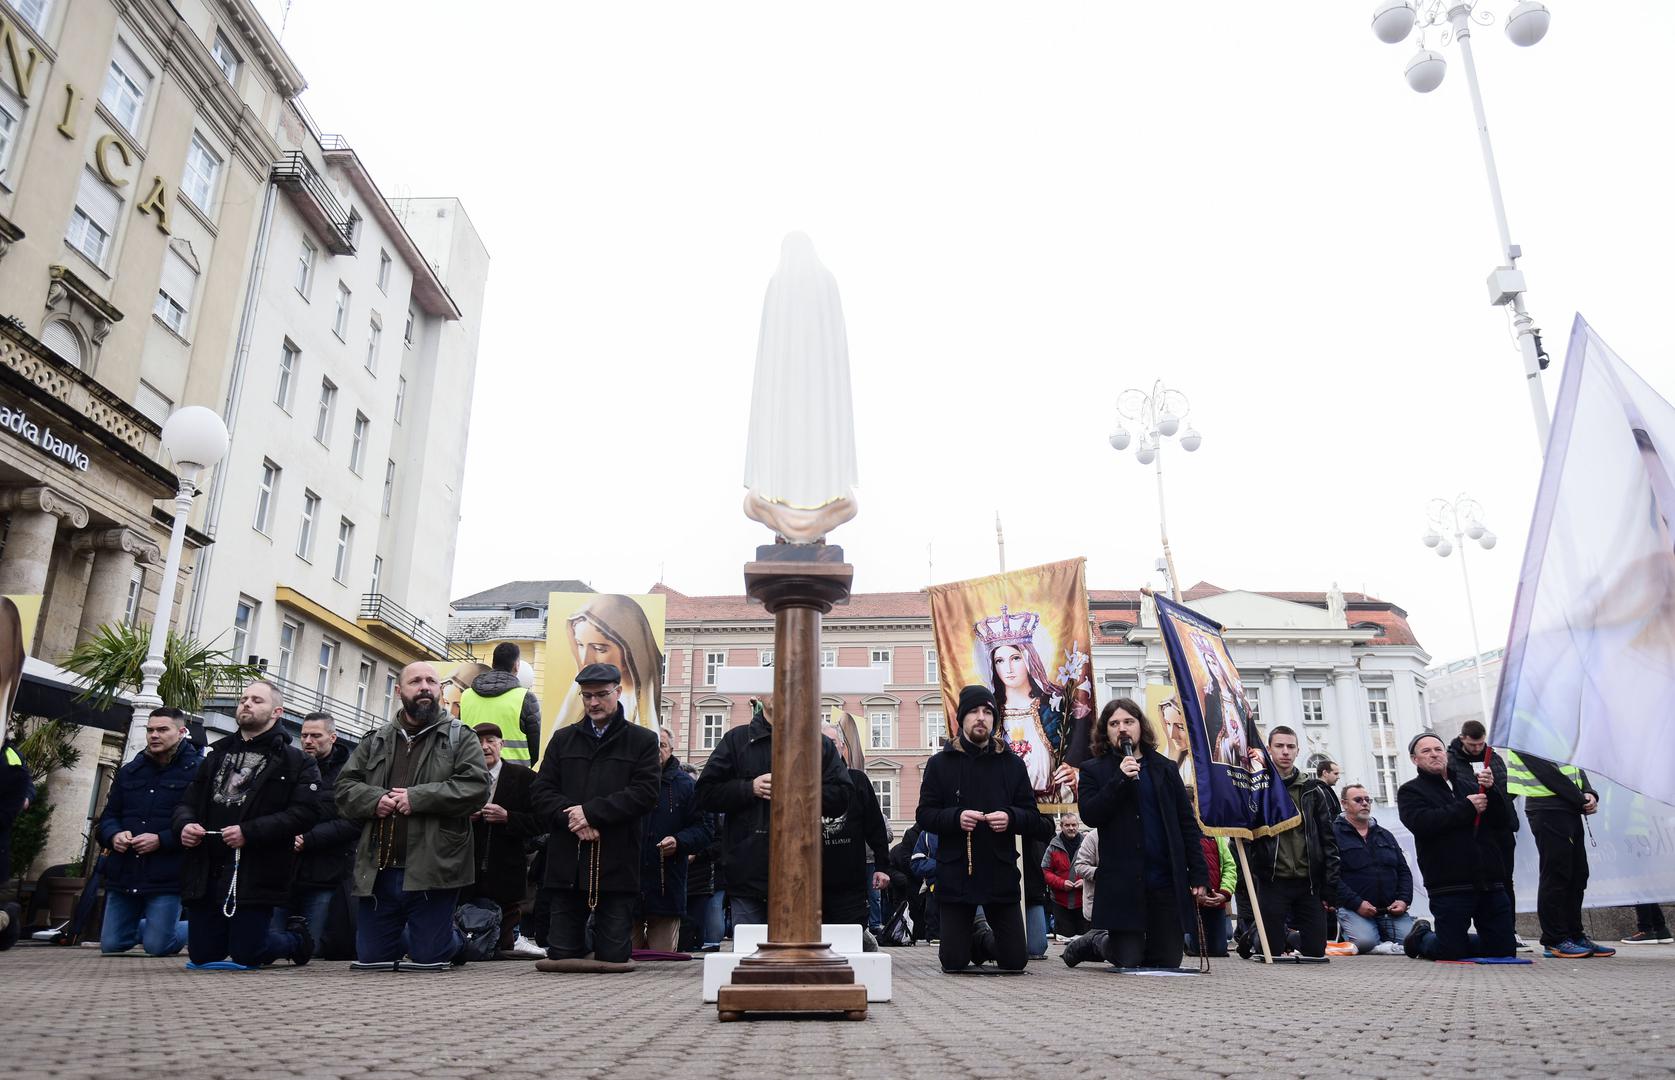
<point>71,1013</point>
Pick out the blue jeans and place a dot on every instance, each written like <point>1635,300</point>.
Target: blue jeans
<point>153,921</point>
<point>394,922</point>
<point>1215,933</point>
<point>1366,933</point>
<point>244,939</point>
<point>1035,929</point>
<point>314,905</point>
<point>714,923</point>
<point>1454,912</point>
<point>748,910</point>
<point>875,907</point>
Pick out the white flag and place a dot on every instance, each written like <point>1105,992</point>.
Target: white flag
<point>1590,671</point>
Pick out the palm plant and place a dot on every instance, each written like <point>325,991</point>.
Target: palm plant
<point>46,746</point>
<point>110,662</point>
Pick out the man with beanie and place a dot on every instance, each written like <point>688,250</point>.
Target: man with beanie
<point>597,782</point>
<point>977,799</point>
<point>413,784</point>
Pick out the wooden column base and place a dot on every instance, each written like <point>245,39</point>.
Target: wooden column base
<point>734,1000</point>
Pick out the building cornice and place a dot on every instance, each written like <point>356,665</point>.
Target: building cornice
<point>260,42</point>
<point>428,290</point>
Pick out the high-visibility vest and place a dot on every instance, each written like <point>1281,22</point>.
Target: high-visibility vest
<point>502,710</point>
<point>12,759</point>
<point>1520,781</point>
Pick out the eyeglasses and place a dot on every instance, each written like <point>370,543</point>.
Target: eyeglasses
<point>1359,799</point>
<point>598,695</point>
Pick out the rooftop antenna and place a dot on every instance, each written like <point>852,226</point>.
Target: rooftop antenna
<point>1000,542</point>
<point>284,17</point>
<point>930,565</point>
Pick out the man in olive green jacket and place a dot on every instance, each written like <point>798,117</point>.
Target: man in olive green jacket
<point>415,782</point>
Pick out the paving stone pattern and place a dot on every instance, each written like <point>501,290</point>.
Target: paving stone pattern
<point>71,1013</point>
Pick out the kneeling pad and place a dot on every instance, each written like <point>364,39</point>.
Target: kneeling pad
<point>1489,960</point>
<point>219,965</point>
<point>985,970</point>
<point>584,966</point>
<point>658,954</point>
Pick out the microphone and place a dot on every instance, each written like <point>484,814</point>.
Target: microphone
<point>1127,747</point>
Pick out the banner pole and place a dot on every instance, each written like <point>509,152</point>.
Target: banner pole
<point>1250,893</point>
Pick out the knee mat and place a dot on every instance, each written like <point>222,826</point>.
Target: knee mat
<point>584,966</point>
<point>220,965</point>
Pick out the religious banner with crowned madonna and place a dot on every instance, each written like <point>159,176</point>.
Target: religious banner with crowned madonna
<point>1025,635</point>
<point>1236,790</point>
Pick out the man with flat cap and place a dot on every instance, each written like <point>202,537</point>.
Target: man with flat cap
<point>977,799</point>
<point>502,832</point>
<point>597,782</point>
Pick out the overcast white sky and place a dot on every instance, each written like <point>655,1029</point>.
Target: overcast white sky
<point>1028,208</point>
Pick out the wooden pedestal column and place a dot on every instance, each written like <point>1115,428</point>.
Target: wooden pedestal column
<point>794,971</point>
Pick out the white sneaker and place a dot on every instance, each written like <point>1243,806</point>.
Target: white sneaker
<point>1523,946</point>
<point>525,947</point>
<point>1387,948</point>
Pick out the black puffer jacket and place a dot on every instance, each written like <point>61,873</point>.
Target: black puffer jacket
<point>1457,853</point>
<point>142,800</point>
<point>283,800</point>
<point>328,849</point>
<point>613,778</point>
<point>724,787</point>
<point>1321,841</point>
<point>962,777</point>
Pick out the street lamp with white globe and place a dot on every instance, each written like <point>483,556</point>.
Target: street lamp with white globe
<point>1463,516</point>
<point>1158,415</point>
<point>1396,21</point>
<point>196,438</point>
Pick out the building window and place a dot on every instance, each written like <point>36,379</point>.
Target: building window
<point>136,589</point>
<point>305,531</point>
<point>93,221</point>
<point>267,496</point>
<point>1253,694</point>
<point>34,12</point>
<point>290,634</point>
<point>932,675</point>
<point>828,658</point>
<point>345,545</point>
<point>713,662</point>
<point>305,267</point>
<point>357,443</point>
<point>767,657</point>
<point>174,295</point>
<point>881,659</point>
<point>885,789</point>
<point>126,84</point>
<point>389,486</point>
<point>400,396</point>
<point>61,339</point>
<point>353,227</point>
<point>11,115</point>
<point>383,271</point>
<point>374,334</point>
<point>203,166</point>
<point>389,696</point>
<point>407,334</point>
<point>715,726</point>
<point>150,401</point>
<point>1314,705</point>
<point>526,613</point>
<point>244,627</point>
<point>377,573</point>
<point>881,724</point>
<point>289,355</point>
<point>323,671</point>
<point>225,57</point>
<point>340,321</point>
<point>1384,743</point>
<point>936,728</point>
<point>363,683</point>
<point>323,418</point>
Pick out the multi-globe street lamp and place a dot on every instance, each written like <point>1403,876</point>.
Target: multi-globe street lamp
<point>1159,415</point>
<point>196,438</point>
<point>1464,518</point>
<point>1395,21</point>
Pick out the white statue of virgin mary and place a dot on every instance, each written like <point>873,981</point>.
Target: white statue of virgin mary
<point>799,463</point>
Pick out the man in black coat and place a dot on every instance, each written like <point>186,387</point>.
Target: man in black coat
<point>1297,870</point>
<point>252,796</point>
<point>976,798</point>
<point>1468,754</point>
<point>326,852</point>
<point>598,780</point>
<point>501,834</point>
<point>738,781</point>
<point>1453,824</point>
<point>845,842</point>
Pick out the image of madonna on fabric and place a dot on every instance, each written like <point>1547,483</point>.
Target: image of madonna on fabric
<point>609,629</point>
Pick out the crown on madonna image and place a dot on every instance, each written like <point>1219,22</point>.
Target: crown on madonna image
<point>1007,629</point>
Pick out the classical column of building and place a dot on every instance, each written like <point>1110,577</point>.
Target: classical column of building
<point>1277,709</point>
<point>35,514</point>
<point>114,553</point>
<point>1351,734</point>
<point>1157,672</point>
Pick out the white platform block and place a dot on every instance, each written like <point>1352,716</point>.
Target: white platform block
<point>872,970</point>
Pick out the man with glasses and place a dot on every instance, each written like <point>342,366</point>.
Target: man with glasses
<point>1375,885</point>
<point>598,781</point>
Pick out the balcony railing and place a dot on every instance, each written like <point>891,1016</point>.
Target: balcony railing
<point>376,607</point>
<point>314,198</point>
<point>299,700</point>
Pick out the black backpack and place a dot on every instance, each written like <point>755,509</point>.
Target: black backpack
<point>479,922</point>
<point>898,929</point>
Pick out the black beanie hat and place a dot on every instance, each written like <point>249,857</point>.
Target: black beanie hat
<point>970,698</point>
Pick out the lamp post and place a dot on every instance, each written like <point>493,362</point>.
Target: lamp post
<point>1393,22</point>
<point>1464,517</point>
<point>196,438</point>
<point>1159,414</point>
